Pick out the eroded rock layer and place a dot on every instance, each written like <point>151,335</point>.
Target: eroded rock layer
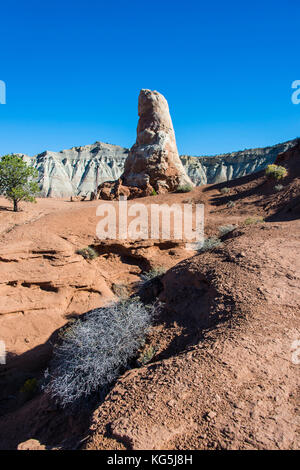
<point>78,171</point>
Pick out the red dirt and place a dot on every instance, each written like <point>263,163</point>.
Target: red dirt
<point>222,376</point>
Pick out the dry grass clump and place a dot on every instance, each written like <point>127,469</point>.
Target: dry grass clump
<point>87,253</point>
<point>95,349</point>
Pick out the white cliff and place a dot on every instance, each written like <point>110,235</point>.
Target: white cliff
<point>228,166</point>
<point>79,170</point>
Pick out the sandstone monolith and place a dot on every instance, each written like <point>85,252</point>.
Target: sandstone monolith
<point>153,160</point>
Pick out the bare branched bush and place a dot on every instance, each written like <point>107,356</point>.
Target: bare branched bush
<point>95,349</point>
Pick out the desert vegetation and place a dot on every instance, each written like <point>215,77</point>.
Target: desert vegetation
<point>276,172</point>
<point>254,220</point>
<point>153,273</point>
<point>146,355</point>
<point>224,190</point>
<point>224,229</point>
<point>17,180</point>
<point>120,290</point>
<point>94,350</point>
<point>186,188</point>
<point>210,244</point>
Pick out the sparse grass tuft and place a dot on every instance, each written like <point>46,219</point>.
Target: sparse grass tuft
<point>276,172</point>
<point>96,349</point>
<point>278,187</point>
<point>230,204</point>
<point>254,220</point>
<point>210,244</point>
<point>87,253</point>
<point>224,190</point>
<point>146,355</point>
<point>155,272</point>
<point>29,387</point>
<point>120,290</point>
<point>224,229</point>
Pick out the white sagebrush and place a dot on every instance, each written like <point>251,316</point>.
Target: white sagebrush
<point>94,349</point>
<point>224,229</point>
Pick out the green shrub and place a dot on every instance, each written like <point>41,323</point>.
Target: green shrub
<point>186,188</point>
<point>224,229</point>
<point>120,290</point>
<point>96,349</point>
<point>155,272</point>
<point>87,253</point>
<point>147,355</point>
<point>18,181</point>
<point>224,190</point>
<point>210,244</point>
<point>29,387</point>
<point>154,193</point>
<point>276,172</point>
<point>278,187</point>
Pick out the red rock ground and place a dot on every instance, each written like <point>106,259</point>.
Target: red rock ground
<point>222,376</point>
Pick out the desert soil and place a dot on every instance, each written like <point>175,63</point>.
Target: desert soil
<point>222,376</point>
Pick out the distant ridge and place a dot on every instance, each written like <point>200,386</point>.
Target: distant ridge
<point>76,171</point>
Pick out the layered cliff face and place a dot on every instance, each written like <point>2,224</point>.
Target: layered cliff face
<point>225,167</point>
<point>79,170</point>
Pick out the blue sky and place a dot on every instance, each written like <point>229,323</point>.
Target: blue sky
<point>73,71</point>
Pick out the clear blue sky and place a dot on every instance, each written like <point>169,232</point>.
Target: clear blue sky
<point>73,71</point>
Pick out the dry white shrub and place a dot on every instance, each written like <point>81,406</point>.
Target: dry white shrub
<point>95,348</point>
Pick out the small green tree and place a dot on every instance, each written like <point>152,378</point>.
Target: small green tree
<point>17,180</point>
